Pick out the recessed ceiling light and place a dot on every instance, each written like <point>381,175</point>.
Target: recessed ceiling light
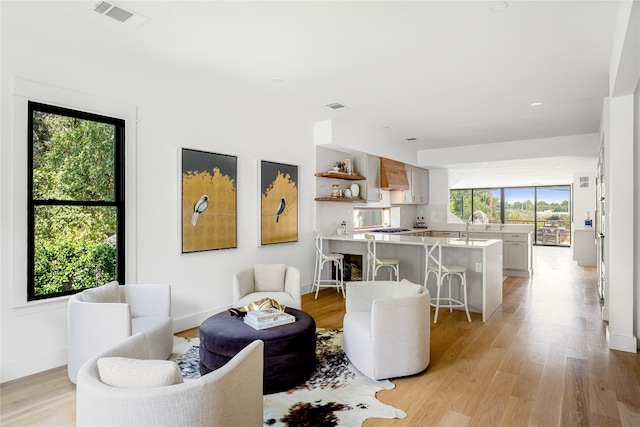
<point>485,163</point>
<point>536,104</point>
<point>277,81</point>
<point>411,139</point>
<point>336,106</point>
<point>386,127</point>
<point>498,6</point>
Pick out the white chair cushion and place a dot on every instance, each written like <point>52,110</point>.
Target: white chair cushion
<point>135,373</point>
<point>109,293</point>
<point>269,277</point>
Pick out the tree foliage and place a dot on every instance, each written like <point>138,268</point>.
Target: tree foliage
<point>73,160</point>
<point>523,212</point>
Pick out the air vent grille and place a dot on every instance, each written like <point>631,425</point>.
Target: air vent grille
<point>336,106</point>
<point>102,7</point>
<point>120,14</point>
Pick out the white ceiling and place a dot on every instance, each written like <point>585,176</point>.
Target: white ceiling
<point>450,74</point>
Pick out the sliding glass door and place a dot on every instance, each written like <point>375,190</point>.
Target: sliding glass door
<point>553,215</point>
<point>546,209</point>
<point>519,205</point>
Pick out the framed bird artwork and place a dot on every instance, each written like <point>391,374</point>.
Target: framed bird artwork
<point>209,201</point>
<point>278,203</point>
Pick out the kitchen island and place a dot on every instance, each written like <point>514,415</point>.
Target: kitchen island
<point>481,257</point>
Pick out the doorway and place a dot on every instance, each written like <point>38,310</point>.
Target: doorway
<point>553,215</point>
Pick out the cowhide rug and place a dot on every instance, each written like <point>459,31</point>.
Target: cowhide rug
<point>337,394</point>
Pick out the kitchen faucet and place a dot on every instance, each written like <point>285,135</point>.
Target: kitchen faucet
<point>466,230</point>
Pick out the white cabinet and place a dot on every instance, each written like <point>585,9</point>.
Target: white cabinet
<point>371,190</point>
<point>436,233</point>
<point>483,235</point>
<point>584,247</point>
<point>516,253</point>
<point>515,256</point>
<point>418,192</point>
<point>419,186</point>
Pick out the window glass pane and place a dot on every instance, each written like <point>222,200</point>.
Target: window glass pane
<point>73,159</point>
<point>75,247</point>
<point>553,214</point>
<point>519,206</point>
<point>460,203</point>
<point>486,206</point>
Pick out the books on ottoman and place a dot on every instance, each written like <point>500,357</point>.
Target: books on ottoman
<point>267,318</point>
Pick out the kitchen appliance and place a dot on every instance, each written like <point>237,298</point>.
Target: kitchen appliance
<point>390,230</point>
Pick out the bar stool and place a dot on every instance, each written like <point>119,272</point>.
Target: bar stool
<point>337,260</point>
<point>434,265</point>
<point>374,263</point>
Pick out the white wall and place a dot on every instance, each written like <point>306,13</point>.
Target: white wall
<point>621,138</point>
<point>174,109</point>
<point>636,207</point>
<point>584,198</point>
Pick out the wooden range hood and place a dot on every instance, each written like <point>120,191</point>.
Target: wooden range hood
<point>393,175</point>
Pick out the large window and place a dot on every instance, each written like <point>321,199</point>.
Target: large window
<point>519,205</point>
<point>547,209</point>
<point>75,202</point>
<point>482,206</point>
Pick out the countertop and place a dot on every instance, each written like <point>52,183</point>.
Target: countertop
<point>472,229</point>
<point>404,239</point>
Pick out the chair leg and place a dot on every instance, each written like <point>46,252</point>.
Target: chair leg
<point>315,275</point>
<point>463,279</point>
<point>449,276</point>
<point>341,264</point>
<point>317,281</point>
<point>439,285</point>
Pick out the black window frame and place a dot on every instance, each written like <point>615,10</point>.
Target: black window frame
<point>119,193</point>
<point>503,203</point>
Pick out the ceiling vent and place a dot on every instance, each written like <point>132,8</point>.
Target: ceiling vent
<point>411,139</point>
<point>120,14</point>
<point>336,106</point>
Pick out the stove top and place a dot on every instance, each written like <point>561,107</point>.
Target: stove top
<point>390,230</point>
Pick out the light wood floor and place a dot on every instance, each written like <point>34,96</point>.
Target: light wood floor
<point>540,360</point>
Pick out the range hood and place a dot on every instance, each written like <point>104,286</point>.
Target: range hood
<point>393,175</point>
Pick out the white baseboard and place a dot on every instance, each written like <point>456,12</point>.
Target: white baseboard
<point>306,288</point>
<point>34,364</point>
<point>622,342</point>
<point>195,320</point>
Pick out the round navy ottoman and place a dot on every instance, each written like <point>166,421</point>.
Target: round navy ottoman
<point>289,350</point>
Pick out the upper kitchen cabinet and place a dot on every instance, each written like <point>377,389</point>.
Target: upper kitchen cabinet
<point>371,191</point>
<point>418,192</point>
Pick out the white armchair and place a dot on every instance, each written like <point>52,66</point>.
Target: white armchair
<point>229,396</point>
<point>100,317</point>
<point>275,281</point>
<point>386,328</point>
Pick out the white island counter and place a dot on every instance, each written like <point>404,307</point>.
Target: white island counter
<point>481,257</point>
